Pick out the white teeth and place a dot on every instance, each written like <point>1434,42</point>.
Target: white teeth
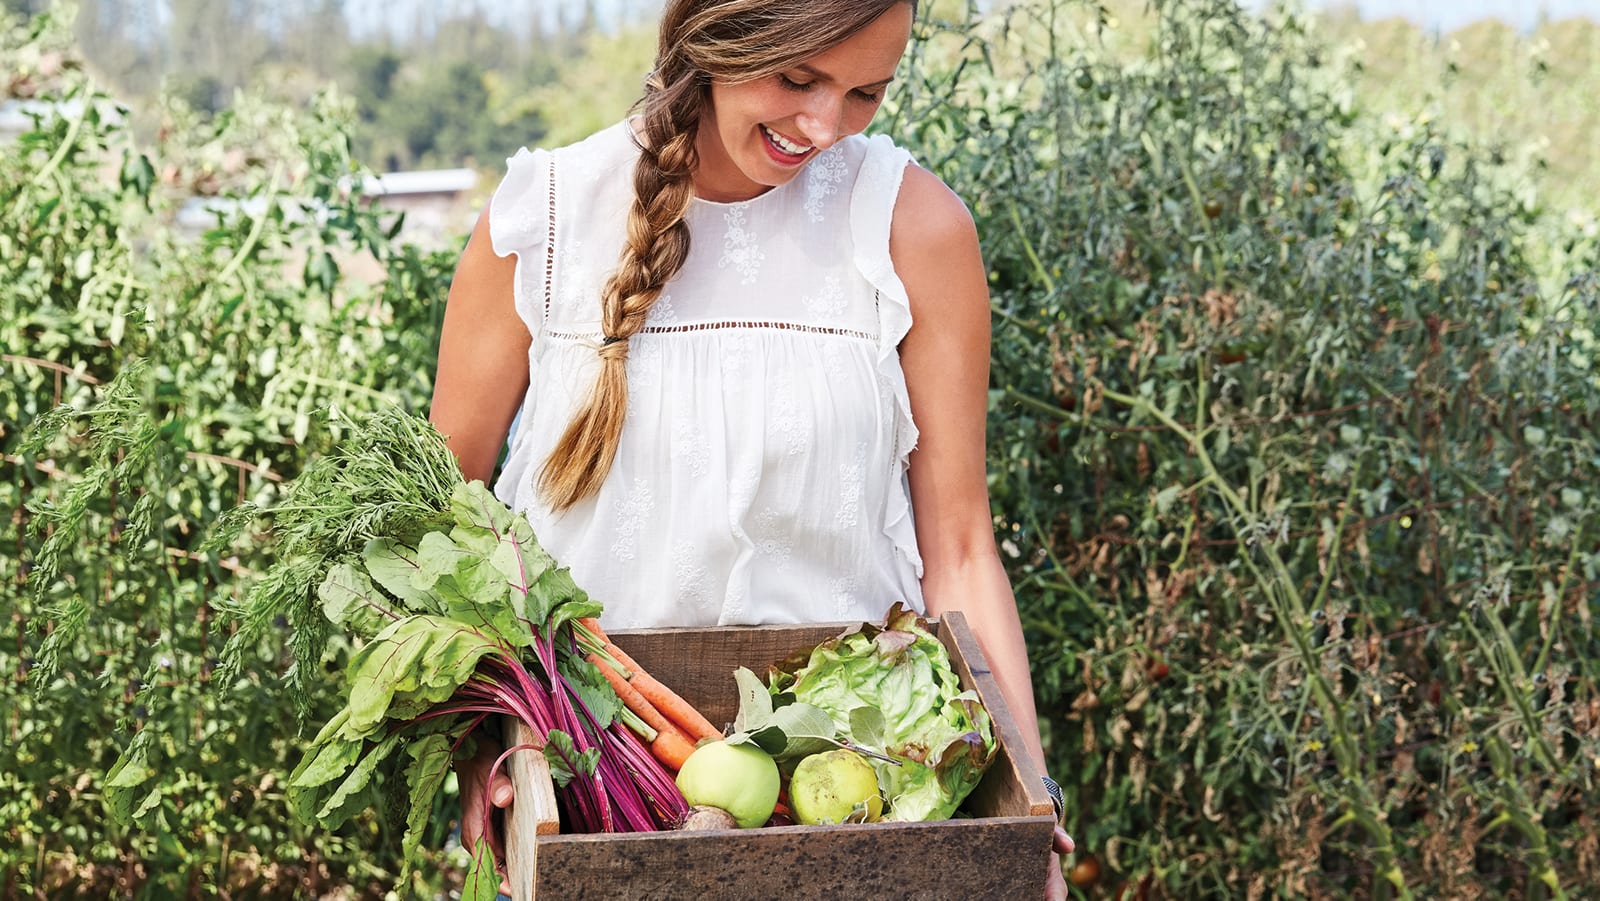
<point>784,144</point>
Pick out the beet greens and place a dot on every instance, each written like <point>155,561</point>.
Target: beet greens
<point>460,618</point>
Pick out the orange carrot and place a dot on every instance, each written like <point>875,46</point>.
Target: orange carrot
<point>672,748</point>
<point>593,625</point>
<point>664,699</point>
<point>631,697</point>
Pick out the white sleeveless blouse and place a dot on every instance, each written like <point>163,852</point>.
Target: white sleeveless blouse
<point>761,476</point>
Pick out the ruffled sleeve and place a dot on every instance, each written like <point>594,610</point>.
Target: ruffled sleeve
<point>872,203</point>
<point>519,223</point>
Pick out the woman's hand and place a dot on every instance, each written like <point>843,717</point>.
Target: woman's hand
<point>1055,885</point>
<point>478,792</point>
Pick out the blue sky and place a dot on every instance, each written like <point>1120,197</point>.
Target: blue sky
<point>1448,15</point>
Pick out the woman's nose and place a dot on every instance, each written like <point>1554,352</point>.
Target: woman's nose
<point>820,121</point>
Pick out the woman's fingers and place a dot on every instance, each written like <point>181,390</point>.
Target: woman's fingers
<point>1063,842</point>
<point>501,792</point>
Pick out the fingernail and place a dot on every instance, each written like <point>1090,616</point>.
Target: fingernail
<point>502,797</point>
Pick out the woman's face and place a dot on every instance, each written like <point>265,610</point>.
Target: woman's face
<point>759,134</point>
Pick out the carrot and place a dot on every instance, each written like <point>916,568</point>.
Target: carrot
<point>593,625</point>
<point>631,697</point>
<point>672,748</point>
<point>680,712</point>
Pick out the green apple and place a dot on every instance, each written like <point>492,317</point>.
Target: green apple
<point>740,779</point>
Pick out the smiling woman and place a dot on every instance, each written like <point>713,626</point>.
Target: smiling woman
<point>757,134</point>
<point>752,378</point>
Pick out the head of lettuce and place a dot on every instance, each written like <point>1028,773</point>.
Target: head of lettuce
<point>940,735</point>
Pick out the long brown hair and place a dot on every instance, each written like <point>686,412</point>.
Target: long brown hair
<point>700,41</point>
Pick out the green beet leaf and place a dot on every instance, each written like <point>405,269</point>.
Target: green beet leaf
<point>556,599</point>
<point>348,798</point>
<point>585,681</point>
<point>482,882</point>
<point>416,662</point>
<point>349,599</point>
<point>398,568</point>
<point>426,773</point>
<point>565,760</point>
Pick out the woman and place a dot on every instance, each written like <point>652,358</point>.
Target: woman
<point>736,428</point>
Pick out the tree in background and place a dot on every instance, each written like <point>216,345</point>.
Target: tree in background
<point>434,86</point>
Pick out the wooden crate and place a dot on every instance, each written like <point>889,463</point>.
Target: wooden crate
<point>997,847</point>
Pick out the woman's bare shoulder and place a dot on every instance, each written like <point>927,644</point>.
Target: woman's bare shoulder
<point>933,239</point>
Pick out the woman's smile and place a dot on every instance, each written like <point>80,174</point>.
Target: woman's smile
<point>785,151</point>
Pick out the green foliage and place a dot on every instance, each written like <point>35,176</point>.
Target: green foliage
<point>164,379</point>
<point>1292,457</point>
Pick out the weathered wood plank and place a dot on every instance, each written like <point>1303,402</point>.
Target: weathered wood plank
<point>533,815</point>
<point>1013,784</point>
<point>1001,858</point>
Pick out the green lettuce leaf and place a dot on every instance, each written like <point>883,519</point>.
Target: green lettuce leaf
<point>941,736</point>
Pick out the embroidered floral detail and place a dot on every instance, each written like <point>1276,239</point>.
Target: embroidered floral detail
<point>692,581</point>
<point>842,591</point>
<point>776,545</point>
<point>790,427</point>
<point>833,359</point>
<point>735,357</point>
<point>829,301</point>
<point>690,447</point>
<point>739,248</point>
<point>629,514</point>
<point>662,312</point>
<point>644,364</point>
<point>851,478</point>
<point>823,177</point>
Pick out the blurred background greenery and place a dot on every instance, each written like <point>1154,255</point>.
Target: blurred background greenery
<point>1292,430</point>
<point>467,83</point>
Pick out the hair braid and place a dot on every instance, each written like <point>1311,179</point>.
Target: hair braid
<point>656,247</point>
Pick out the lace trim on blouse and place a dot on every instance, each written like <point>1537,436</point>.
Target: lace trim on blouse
<point>725,324</point>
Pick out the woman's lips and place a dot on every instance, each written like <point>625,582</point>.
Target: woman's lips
<point>779,155</point>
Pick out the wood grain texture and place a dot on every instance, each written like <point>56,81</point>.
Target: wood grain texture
<point>1013,783</point>
<point>998,858</point>
<point>534,814</point>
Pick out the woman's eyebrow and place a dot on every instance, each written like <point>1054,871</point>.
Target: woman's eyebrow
<point>823,76</point>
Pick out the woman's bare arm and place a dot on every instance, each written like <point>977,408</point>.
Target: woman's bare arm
<point>483,357</point>
<point>945,357</point>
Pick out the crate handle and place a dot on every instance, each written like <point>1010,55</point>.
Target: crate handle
<point>532,814</point>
